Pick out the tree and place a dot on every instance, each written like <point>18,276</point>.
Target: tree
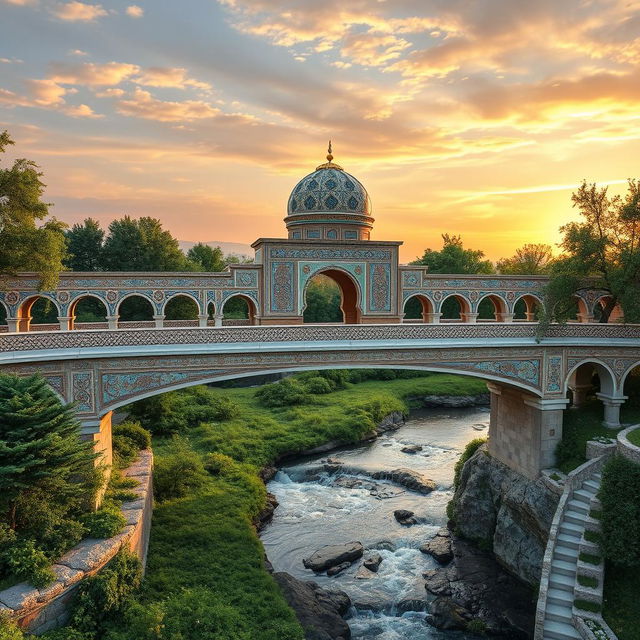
<point>25,246</point>
<point>84,245</point>
<point>40,446</point>
<point>602,251</point>
<point>142,245</point>
<point>454,258</point>
<point>207,258</point>
<point>323,299</point>
<point>531,259</point>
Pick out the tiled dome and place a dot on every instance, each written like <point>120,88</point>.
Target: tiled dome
<point>329,190</point>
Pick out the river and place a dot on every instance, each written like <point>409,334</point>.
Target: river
<point>318,508</point>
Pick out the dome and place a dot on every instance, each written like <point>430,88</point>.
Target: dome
<point>329,204</point>
<point>329,190</point>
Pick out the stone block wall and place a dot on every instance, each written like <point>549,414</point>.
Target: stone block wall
<point>39,610</point>
<point>626,448</point>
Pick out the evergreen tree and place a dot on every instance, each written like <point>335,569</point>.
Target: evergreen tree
<point>40,445</point>
<point>84,246</point>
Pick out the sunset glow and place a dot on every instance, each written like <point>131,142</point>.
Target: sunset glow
<point>477,118</point>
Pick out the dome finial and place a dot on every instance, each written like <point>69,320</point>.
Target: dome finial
<point>329,156</point>
<point>329,164</point>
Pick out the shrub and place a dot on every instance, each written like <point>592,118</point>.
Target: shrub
<point>477,626</point>
<point>106,594</point>
<point>105,522</point>
<point>620,497</point>
<point>468,452</point>
<point>590,558</point>
<point>317,385</point>
<point>135,432</point>
<point>178,472</point>
<point>9,630</point>
<point>217,463</point>
<point>285,393</point>
<point>29,564</point>
<point>125,451</point>
<point>592,536</point>
<point>586,605</point>
<point>587,581</point>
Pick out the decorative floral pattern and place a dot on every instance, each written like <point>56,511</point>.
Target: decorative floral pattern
<point>282,287</point>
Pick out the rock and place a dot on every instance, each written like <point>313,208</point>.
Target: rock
<point>411,448</point>
<point>405,517</point>
<point>373,562</point>
<point>334,461</point>
<point>440,548</point>
<point>445,614</point>
<point>481,399</point>
<point>412,604</point>
<point>332,555</point>
<point>390,423</point>
<point>267,473</point>
<point>332,598</point>
<point>314,608</point>
<point>266,515</point>
<point>339,568</point>
<point>437,582</point>
<point>407,478</point>
<point>363,573</point>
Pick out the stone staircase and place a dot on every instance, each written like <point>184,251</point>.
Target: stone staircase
<point>558,621</point>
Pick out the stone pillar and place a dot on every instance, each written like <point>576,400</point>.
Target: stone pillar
<point>504,317</point>
<point>98,431</point>
<point>432,318</point>
<point>217,319</point>
<point>469,317</point>
<point>66,322</point>
<point>13,324</point>
<point>612,406</point>
<point>202,319</point>
<point>524,429</point>
<point>159,320</point>
<point>24,324</point>
<point>580,392</point>
<point>585,317</point>
<point>113,321</point>
<point>531,316</point>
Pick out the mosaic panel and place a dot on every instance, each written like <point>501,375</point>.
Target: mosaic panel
<point>554,374</point>
<point>380,287</point>
<point>331,254</point>
<point>82,391</point>
<point>282,287</point>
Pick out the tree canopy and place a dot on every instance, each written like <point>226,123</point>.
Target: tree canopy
<point>84,246</point>
<point>601,251</point>
<point>207,258</point>
<point>530,259</point>
<point>25,245</point>
<point>454,258</point>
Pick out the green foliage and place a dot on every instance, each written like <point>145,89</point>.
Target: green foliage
<point>477,626</point>
<point>591,536</point>
<point>106,522</point>
<point>29,564</point>
<point>284,393</point>
<point>181,308</point>
<point>620,497</point>
<point>9,630</point>
<point>206,258</point>
<point>125,451</point>
<point>323,298</point>
<point>217,463</point>
<point>135,432</point>
<point>634,437</point>
<point>587,605</point>
<point>590,558</point>
<point>317,386</point>
<point>621,605</point>
<point>25,246</point>
<point>587,581</point>
<point>84,246</point>
<point>105,596</point>
<point>531,259</point>
<point>178,472</point>
<point>468,452</point>
<point>454,258</point>
<point>596,514</point>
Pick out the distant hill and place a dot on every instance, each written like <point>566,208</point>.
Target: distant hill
<point>235,248</point>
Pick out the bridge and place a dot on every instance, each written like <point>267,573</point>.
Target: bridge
<point>101,370</point>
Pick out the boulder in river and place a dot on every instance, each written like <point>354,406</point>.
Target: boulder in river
<point>318,610</point>
<point>407,478</point>
<point>439,547</point>
<point>405,517</point>
<point>373,562</point>
<point>411,448</point>
<point>339,568</point>
<point>447,615</point>
<point>332,555</point>
<point>363,573</point>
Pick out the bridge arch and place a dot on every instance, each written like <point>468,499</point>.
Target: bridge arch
<point>464,307</point>
<point>24,310</point>
<point>500,306</point>
<point>73,307</point>
<point>4,313</point>
<point>182,307</point>
<point>583,370</point>
<point>133,296</point>
<point>350,293</point>
<point>532,306</point>
<point>177,296</point>
<point>426,306</point>
<point>250,308</point>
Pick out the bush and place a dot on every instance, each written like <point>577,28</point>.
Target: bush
<point>29,564</point>
<point>318,385</point>
<point>620,497</point>
<point>105,522</point>
<point>135,432</point>
<point>477,626</point>
<point>107,594</point>
<point>217,463</point>
<point>285,393</point>
<point>9,630</point>
<point>178,472</point>
<point>587,581</point>
<point>125,451</point>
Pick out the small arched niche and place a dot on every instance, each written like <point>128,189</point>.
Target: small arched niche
<point>418,308</point>
<point>238,310</point>
<point>331,296</point>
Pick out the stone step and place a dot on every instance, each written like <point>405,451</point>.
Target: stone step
<point>579,506</point>
<point>591,485</point>
<point>568,541</point>
<point>574,517</point>
<point>554,630</point>
<point>564,567</point>
<point>568,554</point>
<point>559,613</point>
<point>583,496</point>
<point>560,597</point>
<point>597,476</point>
<point>572,529</point>
<point>562,582</point>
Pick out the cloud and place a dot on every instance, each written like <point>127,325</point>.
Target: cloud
<point>91,74</point>
<point>77,52</point>
<point>21,3</point>
<point>45,93</point>
<point>175,77</point>
<point>134,11</point>
<point>143,105</point>
<point>79,11</point>
<point>82,111</point>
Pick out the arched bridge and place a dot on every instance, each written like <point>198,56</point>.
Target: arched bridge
<point>101,370</point>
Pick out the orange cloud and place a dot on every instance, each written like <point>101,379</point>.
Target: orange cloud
<point>79,11</point>
<point>90,74</point>
<point>143,105</point>
<point>169,77</point>
<point>134,11</point>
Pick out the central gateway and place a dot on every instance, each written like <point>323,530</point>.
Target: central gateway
<point>329,223</point>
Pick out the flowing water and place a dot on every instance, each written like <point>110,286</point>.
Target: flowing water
<point>318,508</point>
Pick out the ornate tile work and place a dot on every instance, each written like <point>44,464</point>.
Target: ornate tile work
<point>306,271</point>
<point>246,278</point>
<point>380,286</point>
<point>56,382</point>
<point>526,370</point>
<point>554,374</point>
<point>331,254</point>
<point>282,287</point>
<point>82,389</point>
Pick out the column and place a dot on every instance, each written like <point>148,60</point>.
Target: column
<point>98,430</point>
<point>217,319</point>
<point>13,324</point>
<point>432,318</point>
<point>504,317</point>
<point>585,317</point>
<point>159,320</point>
<point>66,322</point>
<point>531,316</point>
<point>202,319</point>
<point>549,426</point>
<point>113,321</point>
<point>612,406</point>
<point>469,317</point>
<point>580,392</point>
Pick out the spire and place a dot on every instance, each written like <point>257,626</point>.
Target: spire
<point>329,164</point>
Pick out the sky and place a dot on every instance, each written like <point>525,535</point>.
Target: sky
<point>474,118</point>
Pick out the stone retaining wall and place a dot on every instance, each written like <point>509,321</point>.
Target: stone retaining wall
<point>39,610</point>
<point>626,448</point>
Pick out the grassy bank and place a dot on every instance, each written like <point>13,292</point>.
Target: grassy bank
<point>204,542</point>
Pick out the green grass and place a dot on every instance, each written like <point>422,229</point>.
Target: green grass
<point>634,437</point>
<point>621,608</point>
<point>590,558</point>
<point>581,425</point>
<point>592,536</point>
<point>586,605</point>
<point>206,540</point>
<point>588,581</point>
